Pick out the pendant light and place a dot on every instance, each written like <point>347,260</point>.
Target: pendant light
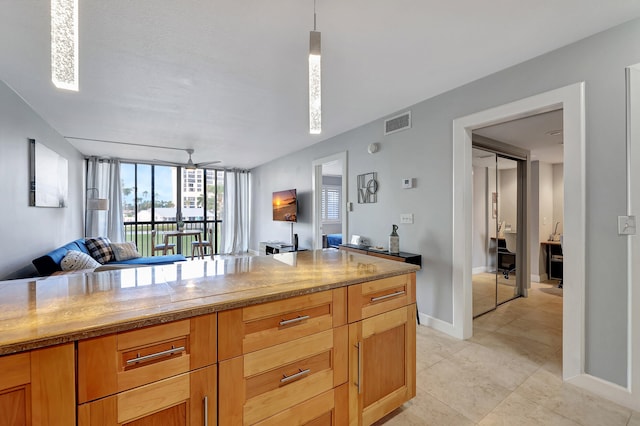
<point>315,92</point>
<point>64,44</point>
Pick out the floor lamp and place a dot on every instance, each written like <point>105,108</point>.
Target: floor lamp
<point>96,203</point>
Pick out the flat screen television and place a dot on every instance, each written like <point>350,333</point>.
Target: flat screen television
<point>285,206</point>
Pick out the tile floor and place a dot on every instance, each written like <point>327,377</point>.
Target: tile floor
<point>509,373</point>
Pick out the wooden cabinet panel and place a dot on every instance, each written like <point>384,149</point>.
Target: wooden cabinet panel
<point>14,406</point>
<point>38,387</point>
<point>382,361</point>
<point>181,400</point>
<point>327,409</point>
<point>264,383</point>
<point>122,361</point>
<point>257,327</point>
<point>375,297</point>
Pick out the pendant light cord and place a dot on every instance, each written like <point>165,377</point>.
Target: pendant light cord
<point>314,15</point>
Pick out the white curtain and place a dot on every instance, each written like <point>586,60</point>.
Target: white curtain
<point>104,176</point>
<point>236,212</point>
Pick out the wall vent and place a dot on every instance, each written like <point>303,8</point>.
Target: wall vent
<point>397,123</point>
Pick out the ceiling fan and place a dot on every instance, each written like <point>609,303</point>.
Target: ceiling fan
<point>189,165</point>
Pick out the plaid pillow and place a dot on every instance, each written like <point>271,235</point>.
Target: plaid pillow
<point>100,249</point>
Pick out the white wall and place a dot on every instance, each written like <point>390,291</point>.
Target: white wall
<point>425,152</point>
<point>29,232</point>
<point>541,216</point>
<point>481,206</point>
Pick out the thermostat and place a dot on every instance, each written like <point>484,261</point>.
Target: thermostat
<point>407,183</point>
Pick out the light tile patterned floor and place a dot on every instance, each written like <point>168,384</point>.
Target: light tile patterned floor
<point>509,373</point>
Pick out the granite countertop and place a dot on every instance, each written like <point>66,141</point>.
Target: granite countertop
<point>42,312</point>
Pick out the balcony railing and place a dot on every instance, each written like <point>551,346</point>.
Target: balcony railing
<point>140,233</point>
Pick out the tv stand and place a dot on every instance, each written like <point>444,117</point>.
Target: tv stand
<point>275,247</point>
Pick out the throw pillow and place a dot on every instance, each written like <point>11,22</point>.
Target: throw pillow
<point>75,260</point>
<point>100,249</point>
<point>125,251</point>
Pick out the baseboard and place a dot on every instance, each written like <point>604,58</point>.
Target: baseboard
<point>439,325</point>
<point>536,278</point>
<point>611,391</point>
<point>480,269</point>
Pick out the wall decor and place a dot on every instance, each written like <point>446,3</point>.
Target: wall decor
<point>48,177</point>
<point>368,188</point>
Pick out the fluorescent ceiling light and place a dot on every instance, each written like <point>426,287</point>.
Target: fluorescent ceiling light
<point>64,44</point>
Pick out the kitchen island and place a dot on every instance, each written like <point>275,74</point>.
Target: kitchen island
<point>267,339</point>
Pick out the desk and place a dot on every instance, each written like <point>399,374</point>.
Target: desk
<point>553,251</point>
<point>183,233</point>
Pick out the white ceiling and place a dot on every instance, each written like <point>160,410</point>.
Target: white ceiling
<point>229,77</point>
<point>541,134</point>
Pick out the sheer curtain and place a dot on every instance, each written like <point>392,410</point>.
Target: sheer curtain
<point>104,175</point>
<point>236,212</point>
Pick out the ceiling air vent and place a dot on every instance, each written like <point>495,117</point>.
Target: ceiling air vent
<point>397,123</point>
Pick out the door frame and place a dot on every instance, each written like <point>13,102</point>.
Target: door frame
<point>571,100</point>
<point>316,185</point>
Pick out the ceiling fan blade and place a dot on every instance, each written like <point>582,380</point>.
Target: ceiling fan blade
<point>207,163</point>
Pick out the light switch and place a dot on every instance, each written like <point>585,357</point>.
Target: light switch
<point>626,225</point>
<point>406,218</point>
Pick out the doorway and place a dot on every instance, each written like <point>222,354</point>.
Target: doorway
<point>329,182</point>
<point>572,100</point>
<point>499,204</point>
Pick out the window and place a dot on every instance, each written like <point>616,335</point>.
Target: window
<point>151,201</point>
<point>331,196</point>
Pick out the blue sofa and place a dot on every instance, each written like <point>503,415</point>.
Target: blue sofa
<point>50,262</point>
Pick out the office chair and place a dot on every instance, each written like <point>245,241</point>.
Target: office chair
<point>509,250</point>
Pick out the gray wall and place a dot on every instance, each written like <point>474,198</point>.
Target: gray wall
<point>425,152</point>
<point>29,232</point>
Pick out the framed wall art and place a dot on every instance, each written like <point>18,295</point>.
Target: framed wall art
<point>48,177</point>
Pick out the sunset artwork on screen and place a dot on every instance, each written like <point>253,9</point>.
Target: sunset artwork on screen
<point>285,206</point>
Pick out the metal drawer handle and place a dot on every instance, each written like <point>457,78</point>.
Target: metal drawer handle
<point>359,368</point>
<point>206,411</point>
<point>387,296</point>
<point>296,319</point>
<point>139,358</point>
<point>300,373</point>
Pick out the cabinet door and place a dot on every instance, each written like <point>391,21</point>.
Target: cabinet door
<point>186,399</point>
<point>38,387</point>
<point>382,361</point>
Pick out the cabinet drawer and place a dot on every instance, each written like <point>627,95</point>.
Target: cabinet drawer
<point>264,383</point>
<point>252,328</point>
<point>122,361</point>
<point>330,408</point>
<point>185,399</point>
<point>375,297</point>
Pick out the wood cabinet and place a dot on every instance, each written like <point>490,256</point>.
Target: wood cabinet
<point>284,362</point>
<point>185,399</point>
<point>38,387</point>
<point>163,374</point>
<point>382,347</point>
